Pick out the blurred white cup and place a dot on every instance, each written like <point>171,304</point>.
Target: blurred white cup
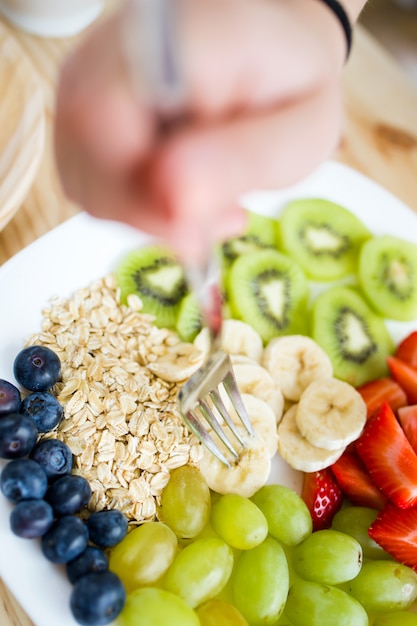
<point>51,18</point>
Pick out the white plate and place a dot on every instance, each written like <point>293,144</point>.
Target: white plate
<point>83,249</point>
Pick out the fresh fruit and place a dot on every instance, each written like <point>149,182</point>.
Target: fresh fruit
<point>44,409</point>
<point>107,528</point>
<point>396,618</point>
<point>157,278</point>
<point>23,479</point>
<point>262,418</point>
<point>289,520</point>
<point>395,530</point>
<point>97,598</point>
<point>406,377</point>
<point>252,378</point>
<point>65,540</point>
<point>69,494</point>
<point>18,435</point>
<point>189,321</point>
<point>220,613</point>
<point>240,338</point>
<point>149,605</point>
<point>144,555</point>
<point>268,290</point>
<point>355,521</point>
<point>353,336</point>
<point>389,457</point>
<point>238,521</point>
<point>387,273</point>
<point>323,497</point>
<point>383,586</point>
<point>322,236</point>
<point>376,391</point>
<point>10,398</point>
<point>260,583</point>
<point>260,233</point>
<point>314,604</point>
<point>355,481</point>
<point>185,502</point>
<point>327,556</point>
<point>37,368</point>
<point>330,414</point>
<point>200,571</point>
<point>93,559</point>
<point>30,519</point>
<point>294,362</point>
<point>54,456</point>
<point>407,349</point>
<point>407,416</point>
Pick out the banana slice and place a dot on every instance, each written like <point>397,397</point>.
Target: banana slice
<point>246,476</point>
<point>298,451</point>
<point>202,342</point>
<point>240,338</point>
<point>331,413</point>
<point>255,380</point>
<point>178,363</point>
<point>294,362</point>
<point>262,418</point>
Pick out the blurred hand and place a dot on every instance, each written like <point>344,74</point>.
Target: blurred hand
<point>263,109</point>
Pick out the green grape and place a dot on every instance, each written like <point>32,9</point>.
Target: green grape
<point>260,583</point>
<point>238,521</point>
<point>314,604</point>
<point>185,502</point>
<point>156,607</point>
<point>396,618</point>
<point>288,517</point>
<point>384,586</point>
<point>144,555</point>
<point>355,521</point>
<point>200,571</point>
<point>219,613</point>
<point>328,557</point>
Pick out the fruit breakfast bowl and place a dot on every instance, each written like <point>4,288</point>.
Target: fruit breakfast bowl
<point>82,251</point>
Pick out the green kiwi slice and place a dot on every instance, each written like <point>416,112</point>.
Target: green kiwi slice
<point>260,233</point>
<point>154,274</point>
<point>269,291</point>
<point>388,276</point>
<point>189,320</point>
<point>353,335</point>
<point>323,237</point>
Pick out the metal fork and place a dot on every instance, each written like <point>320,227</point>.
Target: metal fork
<point>149,38</point>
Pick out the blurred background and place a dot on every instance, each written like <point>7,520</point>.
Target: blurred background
<point>394,24</point>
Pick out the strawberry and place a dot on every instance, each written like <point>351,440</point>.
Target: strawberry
<point>389,457</point>
<point>406,377</point>
<point>356,483</point>
<point>323,497</point>
<point>395,530</point>
<point>407,349</point>
<point>374,392</point>
<point>407,416</point>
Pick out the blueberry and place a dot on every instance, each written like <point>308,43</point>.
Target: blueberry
<point>44,409</point>
<point>69,494</point>
<point>65,540</point>
<point>31,518</point>
<point>23,479</point>
<point>93,559</point>
<point>107,528</point>
<point>18,435</point>
<point>97,599</point>
<point>9,398</point>
<point>37,368</point>
<point>53,456</point>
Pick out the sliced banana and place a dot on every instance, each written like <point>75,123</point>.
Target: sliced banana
<point>246,476</point>
<point>255,380</point>
<point>178,363</point>
<point>294,362</point>
<point>331,413</point>
<point>298,451</point>
<point>262,418</point>
<point>240,338</point>
<point>202,342</point>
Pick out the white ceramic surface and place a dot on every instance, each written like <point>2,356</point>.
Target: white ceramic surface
<point>83,249</point>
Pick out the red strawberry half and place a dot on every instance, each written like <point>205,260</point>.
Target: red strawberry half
<point>356,483</point>
<point>407,416</point>
<point>376,391</point>
<point>389,457</point>
<point>407,349</point>
<point>323,497</point>
<point>395,530</point>
<point>406,377</point>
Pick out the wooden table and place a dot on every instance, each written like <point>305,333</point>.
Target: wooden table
<point>380,140</point>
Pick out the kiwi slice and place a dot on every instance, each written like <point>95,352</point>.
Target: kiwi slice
<point>154,274</point>
<point>323,237</point>
<point>388,276</point>
<point>353,335</point>
<point>189,321</point>
<point>269,291</point>
<point>260,233</point>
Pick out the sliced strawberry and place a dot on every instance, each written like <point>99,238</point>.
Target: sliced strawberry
<point>406,377</point>
<point>395,530</point>
<point>356,483</point>
<point>407,349</point>
<point>323,497</point>
<point>376,391</point>
<point>407,416</point>
<point>389,457</point>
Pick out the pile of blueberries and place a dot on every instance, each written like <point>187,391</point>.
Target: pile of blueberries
<point>48,498</point>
